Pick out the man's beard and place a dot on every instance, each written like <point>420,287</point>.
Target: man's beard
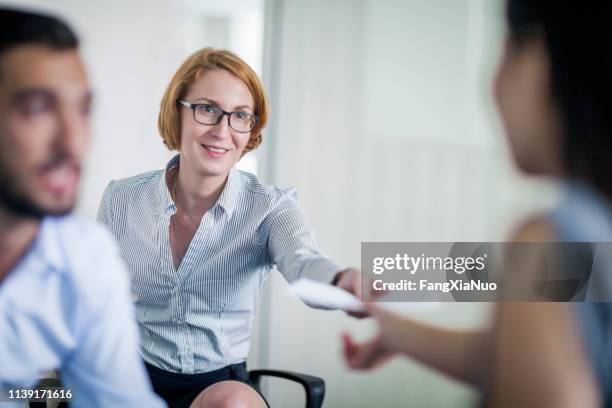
<point>17,202</point>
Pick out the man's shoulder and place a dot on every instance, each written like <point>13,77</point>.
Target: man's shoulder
<point>93,274</point>
<point>75,230</point>
<point>90,254</point>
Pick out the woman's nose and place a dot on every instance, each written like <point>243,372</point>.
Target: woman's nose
<point>222,129</point>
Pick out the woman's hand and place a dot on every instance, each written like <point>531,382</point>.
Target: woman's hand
<point>350,280</point>
<point>382,347</point>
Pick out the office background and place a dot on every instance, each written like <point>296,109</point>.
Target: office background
<point>382,117</point>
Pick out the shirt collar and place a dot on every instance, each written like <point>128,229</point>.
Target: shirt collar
<point>47,247</point>
<point>48,244</point>
<point>164,199</point>
<point>227,200</point>
<point>229,196</point>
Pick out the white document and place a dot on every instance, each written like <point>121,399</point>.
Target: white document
<point>325,296</point>
<point>329,297</point>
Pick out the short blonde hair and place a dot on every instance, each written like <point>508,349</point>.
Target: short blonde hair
<point>207,59</point>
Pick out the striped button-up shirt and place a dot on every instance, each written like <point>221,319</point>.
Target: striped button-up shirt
<point>198,318</point>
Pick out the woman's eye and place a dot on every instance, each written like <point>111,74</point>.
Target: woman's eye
<point>209,108</point>
<point>242,115</point>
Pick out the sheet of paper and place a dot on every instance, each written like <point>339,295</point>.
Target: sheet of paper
<point>329,297</point>
<point>325,296</point>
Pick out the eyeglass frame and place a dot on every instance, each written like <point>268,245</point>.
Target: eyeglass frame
<point>194,106</point>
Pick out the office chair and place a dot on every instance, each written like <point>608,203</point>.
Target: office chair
<point>314,387</point>
<point>44,384</point>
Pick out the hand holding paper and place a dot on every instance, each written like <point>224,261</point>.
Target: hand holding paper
<point>325,296</point>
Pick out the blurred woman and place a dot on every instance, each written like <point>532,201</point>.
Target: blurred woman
<point>552,89</point>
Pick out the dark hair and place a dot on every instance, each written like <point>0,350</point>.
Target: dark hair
<point>23,27</point>
<point>575,36</point>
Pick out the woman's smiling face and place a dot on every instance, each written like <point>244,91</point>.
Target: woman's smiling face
<point>212,150</point>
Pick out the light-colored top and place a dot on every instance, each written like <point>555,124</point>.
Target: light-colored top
<point>585,215</point>
<point>198,318</point>
<point>67,305</point>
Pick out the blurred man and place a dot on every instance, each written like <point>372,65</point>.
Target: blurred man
<point>64,294</point>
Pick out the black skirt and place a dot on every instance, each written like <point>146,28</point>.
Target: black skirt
<point>180,390</point>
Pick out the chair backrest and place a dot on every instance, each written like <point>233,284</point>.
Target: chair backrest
<point>314,387</point>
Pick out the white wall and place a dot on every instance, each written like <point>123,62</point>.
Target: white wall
<point>343,70</point>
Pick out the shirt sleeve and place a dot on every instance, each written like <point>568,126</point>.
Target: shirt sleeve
<point>105,215</point>
<point>292,245</point>
<point>105,369</point>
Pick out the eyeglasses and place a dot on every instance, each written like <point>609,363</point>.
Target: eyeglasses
<point>208,114</point>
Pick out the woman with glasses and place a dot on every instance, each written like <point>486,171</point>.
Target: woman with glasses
<point>200,236</point>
